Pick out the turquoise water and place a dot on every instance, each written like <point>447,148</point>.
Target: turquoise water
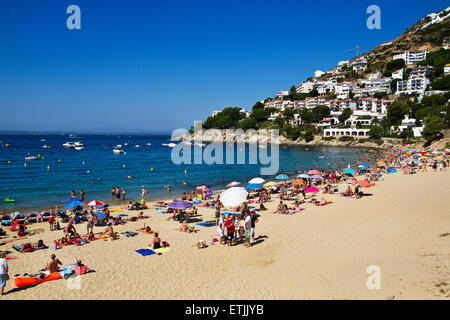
<point>46,182</point>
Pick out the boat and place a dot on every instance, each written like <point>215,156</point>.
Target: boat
<point>169,144</point>
<point>79,148</point>
<point>148,144</point>
<point>31,158</point>
<point>118,146</point>
<point>45,147</point>
<point>42,140</point>
<point>137,146</point>
<point>115,150</point>
<point>78,144</point>
<point>68,145</point>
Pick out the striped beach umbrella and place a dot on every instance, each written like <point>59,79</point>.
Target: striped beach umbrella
<point>94,203</point>
<point>282,177</point>
<point>182,205</point>
<point>311,189</point>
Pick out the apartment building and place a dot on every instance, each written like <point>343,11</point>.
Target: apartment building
<point>305,87</point>
<point>411,57</point>
<point>359,64</point>
<point>374,106</point>
<point>412,86</point>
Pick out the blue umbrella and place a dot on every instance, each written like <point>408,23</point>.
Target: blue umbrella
<point>348,171</point>
<point>304,176</point>
<point>316,176</point>
<point>362,168</point>
<point>100,215</point>
<point>71,199</point>
<point>282,177</point>
<point>73,204</point>
<point>254,186</point>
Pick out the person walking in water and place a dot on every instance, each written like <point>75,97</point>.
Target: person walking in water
<point>123,193</point>
<point>82,195</point>
<point>117,193</point>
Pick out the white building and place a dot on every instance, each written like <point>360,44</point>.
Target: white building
<point>328,122</point>
<point>353,121</point>
<point>341,64</point>
<point>411,57</point>
<point>343,89</point>
<point>447,69</point>
<point>305,87</point>
<point>408,123</point>
<point>397,74</point>
<point>421,72</point>
<point>359,64</point>
<point>412,86</point>
<point>375,76</point>
<point>346,132</point>
<point>318,73</point>
<point>373,107</point>
<point>215,113</point>
<point>282,93</point>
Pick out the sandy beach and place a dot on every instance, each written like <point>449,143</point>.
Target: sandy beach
<point>319,253</point>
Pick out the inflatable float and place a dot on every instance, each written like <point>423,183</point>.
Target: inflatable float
<point>9,200</point>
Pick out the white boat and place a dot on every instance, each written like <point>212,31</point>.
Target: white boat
<point>78,144</point>
<point>31,158</point>
<point>79,148</point>
<point>45,147</point>
<point>148,144</point>
<point>69,145</point>
<point>125,144</point>
<point>118,150</point>
<point>137,146</point>
<point>200,144</point>
<point>118,146</point>
<point>169,144</point>
<point>42,140</point>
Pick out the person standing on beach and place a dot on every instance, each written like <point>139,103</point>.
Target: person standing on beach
<point>217,207</point>
<point>3,272</point>
<point>91,221</point>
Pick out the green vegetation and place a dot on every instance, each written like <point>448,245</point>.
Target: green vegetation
<point>438,60</point>
<point>346,139</point>
<point>227,118</point>
<point>433,128</point>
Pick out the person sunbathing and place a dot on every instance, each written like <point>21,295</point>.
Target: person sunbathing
<point>89,237</point>
<point>53,265</point>
<point>184,227</point>
<point>281,209</point>
<point>109,230</point>
<point>156,242</point>
<point>70,231</point>
<point>262,207</point>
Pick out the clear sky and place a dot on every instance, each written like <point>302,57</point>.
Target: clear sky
<point>153,65</point>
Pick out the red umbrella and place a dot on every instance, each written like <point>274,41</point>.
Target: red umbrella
<point>314,172</point>
<point>95,203</point>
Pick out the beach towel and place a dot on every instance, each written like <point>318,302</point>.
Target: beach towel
<point>190,230</point>
<point>143,231</point>
<point>323,204</point>
<point>129,234</point>
<point>145,252</point>
<point>161,211</point>
<point>162,250</point>
<point>207,224</point>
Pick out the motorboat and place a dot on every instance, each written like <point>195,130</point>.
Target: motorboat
<point>68,145</point>
<point>79,148</point>
<point>45,147</point>
<point>169,144</point>
<point>31,158</point>
<point>116,150</point>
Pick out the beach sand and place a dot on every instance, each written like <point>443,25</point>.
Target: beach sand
<point>319,253</point>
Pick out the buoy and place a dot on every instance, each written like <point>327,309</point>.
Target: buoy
<point>39,155</point>
<point>88,171</point>
<point>151,169</point>
<point>42,158</point>
<point>25,164</point>
<point>185,171</point>
<point>59,160</point>
<point>48,167</point>
<point>9,161</point>
<point>123,166</point>
<point>83,163</point>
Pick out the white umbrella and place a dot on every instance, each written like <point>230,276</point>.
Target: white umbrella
<point>233,184</point>
<point>257,181</point>
<point>233,197</point>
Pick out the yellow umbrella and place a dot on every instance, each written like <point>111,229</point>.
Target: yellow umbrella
<point>270,184</point>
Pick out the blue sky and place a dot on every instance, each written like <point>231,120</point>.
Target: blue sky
<point>159,65</point>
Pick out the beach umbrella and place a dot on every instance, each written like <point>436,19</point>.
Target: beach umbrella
<point>182,205</point>
<point>304,176</point>
<point>311,189</point>
<point>316,176</point>
<point>362,168</point>
<point>233,196</point>
<point>94,203</point>
<point>313,172</point>
<point>270,184</point>
<point>254,186</point>
<point>257,180</point>
<point>73,204</point>
<point>233,184</point>
<point>71,199</point>
<point>349,171</point>
<point>297,182</point>
<point>363,184</point>
<point>99,215</point>
<point>282,177</point>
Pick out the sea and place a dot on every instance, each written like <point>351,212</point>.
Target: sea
<point>48,180</point>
